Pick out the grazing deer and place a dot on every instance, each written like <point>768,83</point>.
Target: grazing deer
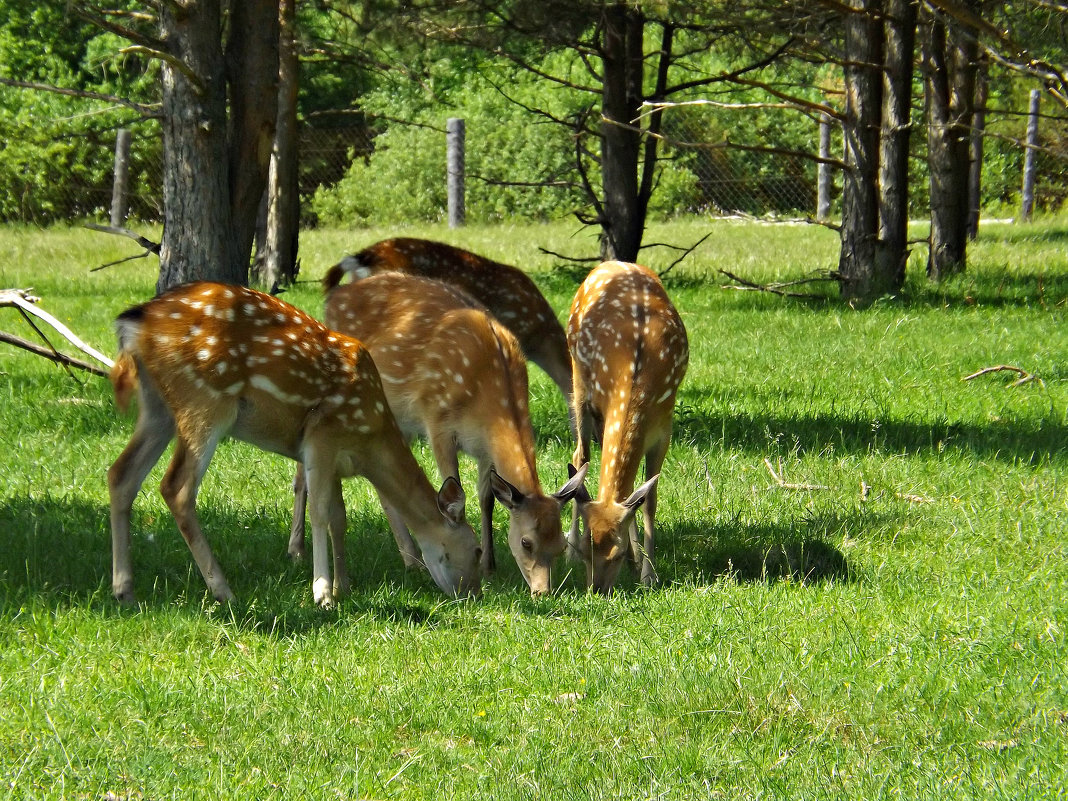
<point>452,372</point>
<point>213,360</point>
<point>629,351</point>
<point>506,291</point>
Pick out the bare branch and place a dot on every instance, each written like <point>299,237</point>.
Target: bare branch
<point>1025,377</point>
<point>779,288</point>
<point>53,354</point>
<point>140,108</point>
<point>787,485</point>
<point>24,301</point>
<point>689,250</point>
<point>170,60</point>
<point>147,244</point>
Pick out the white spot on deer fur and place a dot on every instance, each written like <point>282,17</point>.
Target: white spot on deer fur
<point>203,355</point>
<point>227,294</point>
<point>221,367</point>
<point>264,383</point>
<point>249,309</point>
<point>234,389</point>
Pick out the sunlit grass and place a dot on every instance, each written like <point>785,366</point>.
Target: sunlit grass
<point>888,622</point>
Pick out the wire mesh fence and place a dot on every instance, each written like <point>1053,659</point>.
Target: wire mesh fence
<point>724,166</point>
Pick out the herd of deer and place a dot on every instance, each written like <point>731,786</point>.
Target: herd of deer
<point>425,339</point>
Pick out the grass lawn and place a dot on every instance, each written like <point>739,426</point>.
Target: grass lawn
<point>889,619</point>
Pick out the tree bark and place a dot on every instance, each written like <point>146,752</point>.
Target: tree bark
<point>252,65</point>
<point>196,197</point>
<point>899,29</point>
<point>623,220</point>
<point>279,262</point>
<point>949,59</point>
<point>859,278</point>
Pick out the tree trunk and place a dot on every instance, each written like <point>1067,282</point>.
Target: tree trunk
<point>196,198</point>
<point>859,277</point>
<point>623,220</point>
<point>900,35</point>
<point>279,262</point>
<point>949,60</point>
<point>252,71</point>
<point>975,169</point>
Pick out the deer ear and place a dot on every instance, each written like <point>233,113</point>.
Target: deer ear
<point>509,496</point>
<point>452,501</point>
<point>574,485</point>
<point>580,495</point>
<point>637,498</point>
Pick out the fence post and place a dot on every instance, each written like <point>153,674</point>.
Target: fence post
<point>119,205</point>
<point>823,180</point>
<point>454,143</point>
<point>1030,157</point>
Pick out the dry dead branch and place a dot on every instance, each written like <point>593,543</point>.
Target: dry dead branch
<point>24,302</point>
<point>1025,377</point>
<point>778,288</point>
<point>789,485</point>
<point>54,355</point>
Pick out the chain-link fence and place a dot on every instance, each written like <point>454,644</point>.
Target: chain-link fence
<point>725,164</point>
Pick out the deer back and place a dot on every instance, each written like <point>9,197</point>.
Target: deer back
<point>630,353</point>
<point>509,293</point>
<point>446,363</point>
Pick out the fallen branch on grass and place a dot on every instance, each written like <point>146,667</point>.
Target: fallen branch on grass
<point>54,355</point>
<point>1025,377</point>
<point>24,302</point>
<point>788,485</point>
<point>778,288</point>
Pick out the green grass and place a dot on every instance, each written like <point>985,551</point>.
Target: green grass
<point>908,640</point>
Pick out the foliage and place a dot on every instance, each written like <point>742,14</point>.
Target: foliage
<point>903,640</point>
<point>54,149</point>
<point>403,179</point>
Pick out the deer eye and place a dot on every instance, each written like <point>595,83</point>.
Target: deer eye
<point>527,543</point>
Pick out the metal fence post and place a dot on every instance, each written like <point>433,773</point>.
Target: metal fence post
<point>1030,155</point>
<point>454,143</point>
<point>120,206</point>
<point>823,171</point>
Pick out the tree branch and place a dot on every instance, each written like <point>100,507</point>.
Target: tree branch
<point>143,110</point>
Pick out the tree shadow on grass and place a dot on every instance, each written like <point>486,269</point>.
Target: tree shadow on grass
<point>696,553</point>
<point>58,551</point>
<point>1008,442</point>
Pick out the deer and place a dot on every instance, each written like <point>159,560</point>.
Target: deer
<point>211,360</point>
<point>629,354</point>
<point>509,294</point>
<point>453,373</point>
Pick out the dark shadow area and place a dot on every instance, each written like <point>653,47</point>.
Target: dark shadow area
<point>695,553</point>
<point>1009,442</point>
<point>59,550</point>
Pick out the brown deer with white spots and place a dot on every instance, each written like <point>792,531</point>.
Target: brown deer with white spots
<point>451,372</point>
<point>629,351</point>
<point>212,360</point>
<point>509,294</point>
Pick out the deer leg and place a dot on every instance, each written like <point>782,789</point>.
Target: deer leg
<point>180,486</point>
<point>584,425</point>
<point>409,551</point>
<point>300,503</point>
<point>485,507</point>
<point>155,429</point>
<point>322,479</point>
<point>337,524</point>
<point>654,461</point>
